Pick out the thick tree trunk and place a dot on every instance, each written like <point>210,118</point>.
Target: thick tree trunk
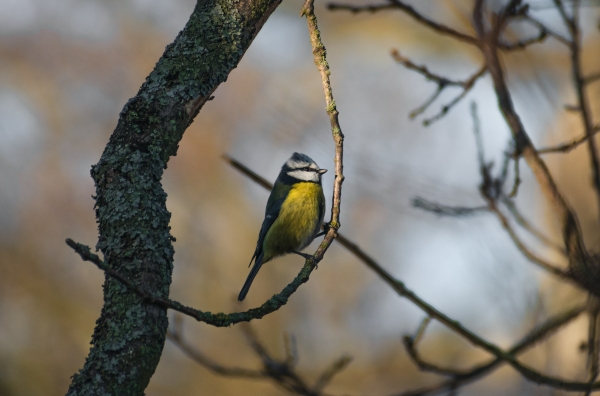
<point>133,220</point>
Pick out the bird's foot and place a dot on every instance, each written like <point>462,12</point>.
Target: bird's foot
<point>326,228</point>
<point>307,257</point>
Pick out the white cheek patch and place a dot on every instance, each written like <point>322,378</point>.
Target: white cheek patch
<point>304,175</point>
<point>293,164</point>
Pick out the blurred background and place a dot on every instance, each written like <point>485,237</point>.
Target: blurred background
<point>67,67</point>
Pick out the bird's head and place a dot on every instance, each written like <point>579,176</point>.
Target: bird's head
<point>302,168</point>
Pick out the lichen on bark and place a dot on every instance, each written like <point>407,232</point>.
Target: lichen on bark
<point>133,221</point>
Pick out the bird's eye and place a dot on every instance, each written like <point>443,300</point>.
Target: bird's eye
<point>306,169</point>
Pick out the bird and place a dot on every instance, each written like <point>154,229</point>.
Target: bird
<point>293,216</point>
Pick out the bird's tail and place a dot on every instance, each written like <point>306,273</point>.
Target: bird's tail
<point>257,264</point>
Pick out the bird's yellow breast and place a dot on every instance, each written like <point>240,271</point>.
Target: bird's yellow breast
<point>298,222</point>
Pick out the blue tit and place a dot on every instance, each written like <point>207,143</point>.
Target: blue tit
<point>293,216</point>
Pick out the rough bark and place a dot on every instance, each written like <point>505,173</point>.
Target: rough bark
<point>133,220</point>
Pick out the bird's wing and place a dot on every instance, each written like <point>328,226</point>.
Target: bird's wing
<point>321,212</point>
<point>273,207</point>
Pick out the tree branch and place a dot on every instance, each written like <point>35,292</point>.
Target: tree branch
<point>442,83</point>
<point>278,300</point>
<point>462,377</point>
<point>552,268</point>
<point>445,210</point>
<point>218,319</point>
<point>522,44</point>
<point>175,335</point>
<point>544,28</point>
<point>568,146</point>
<point>410,11</point>
<point>583,270</point>
<point>582,98</point>
<point>523,222</point>
<point>133,221</point>
<point>320,59</point>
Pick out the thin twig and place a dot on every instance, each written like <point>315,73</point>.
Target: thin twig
<point>523,222</point>
<point>445,210</point>
<point>552,268</point>
<point>372,8</point>
<point>468,85</point>
<point>320,59</point>
<point>543,27</point>
<point>478,137</point>
<point>522,44</point>
<point>410,345</point>
<point>568,146</point>
<point>592,78</point>
<point>282,373</point>
<point>593,344</point>
<point>410,11</point>
<point>291,349</point>
<point>515,188</point>
<point>442,83</point>
<point>335,368</point>
<point>421,109</point>
<point>421,330</point>
<point>177,338</point>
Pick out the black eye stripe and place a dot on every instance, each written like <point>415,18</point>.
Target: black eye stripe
<point>305,169</point>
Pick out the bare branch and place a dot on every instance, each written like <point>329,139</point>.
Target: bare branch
<point>468,85</point>
<point>372,8</point>
<point>419,110</point>
<point>544,28</point>
<point>444,210</point>
<point>568,146</point>
<point>410,344</point>
<point>421,330</point>
<point>522,44</point>
<point>282,373</point>
<point>582,97</point>
<point>177,338</point>
<point>491,191</point>
<point>523,222</point>
<point>410,11</point>
<point>320,59</point>
<point>291,350</point>
<point>442,83</point>
<point>478,138</point>
<point>515,188</point>
<point>593,344</point>
<point>336,367</point>
<point>219,319</point>
<point>552,268</point>
<point>592,78</point>
<point>278,300</point>
<point>579,261</point>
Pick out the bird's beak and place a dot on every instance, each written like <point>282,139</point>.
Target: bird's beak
<point>321,171</point>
